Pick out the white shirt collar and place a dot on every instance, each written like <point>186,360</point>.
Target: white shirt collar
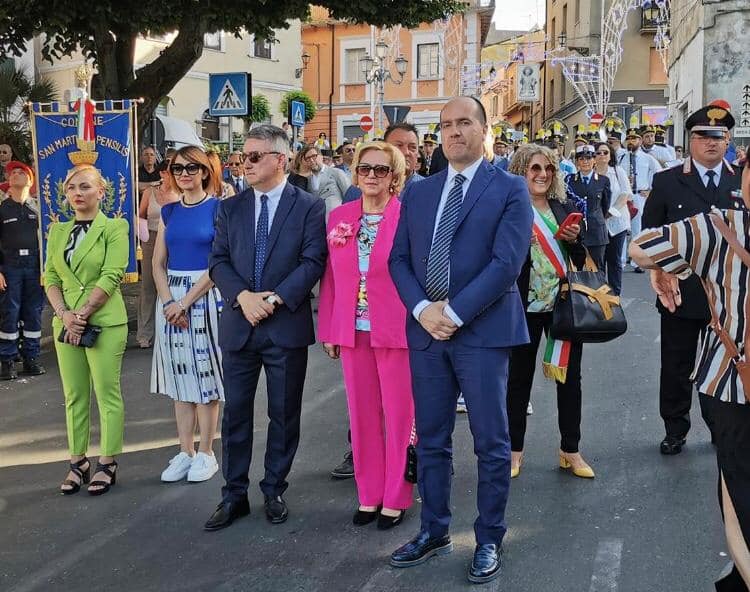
<point>702,172</point>
<point>274,194</point>
<point>468,172</point>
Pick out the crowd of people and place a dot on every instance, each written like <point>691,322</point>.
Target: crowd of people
<point>437,268</point>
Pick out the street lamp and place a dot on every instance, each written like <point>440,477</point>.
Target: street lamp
<point>305,62</point>
<point>376,73</point>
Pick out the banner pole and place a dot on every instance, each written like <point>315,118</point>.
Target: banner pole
<point>35,163</point>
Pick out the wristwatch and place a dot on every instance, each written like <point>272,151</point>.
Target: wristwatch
<point>273,300</point>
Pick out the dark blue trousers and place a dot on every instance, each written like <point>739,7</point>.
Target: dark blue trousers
<point>21,312</point>
<point>285,379</point>
<point>439,373</point>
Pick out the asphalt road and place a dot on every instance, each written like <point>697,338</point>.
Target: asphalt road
<point>646,523</point>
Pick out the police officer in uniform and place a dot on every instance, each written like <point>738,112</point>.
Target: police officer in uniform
<point>594,190</point>
<point>703,181</point>
<point>21,296</point>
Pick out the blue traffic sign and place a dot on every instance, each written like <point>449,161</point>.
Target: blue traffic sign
<point>228,94</point>
<point>297,113</point>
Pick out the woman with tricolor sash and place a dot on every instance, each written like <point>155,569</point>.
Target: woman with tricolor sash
<point>539,283</point>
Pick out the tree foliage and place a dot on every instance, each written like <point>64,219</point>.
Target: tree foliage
<point>303,97</point>
<point>16,89</point>
<point>106,32</point>
<point>261,110</point>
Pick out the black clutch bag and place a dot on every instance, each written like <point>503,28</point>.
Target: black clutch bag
<point>88,337</point>
<point>410,474</point>
<point>585,310</point>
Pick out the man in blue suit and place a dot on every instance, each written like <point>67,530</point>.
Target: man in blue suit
<point>461,241</point>
<point>269,251</point>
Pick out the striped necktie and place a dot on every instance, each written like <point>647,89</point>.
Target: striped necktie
<point>261,242</point>
<point>439,260</point>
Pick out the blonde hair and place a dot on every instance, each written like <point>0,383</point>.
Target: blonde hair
<point>397,163</point>
<point>519,165</point>
<point>82,168</point>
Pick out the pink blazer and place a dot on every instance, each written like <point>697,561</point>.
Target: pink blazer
<point>340,283</point>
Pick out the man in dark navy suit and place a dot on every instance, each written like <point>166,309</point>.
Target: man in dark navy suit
<point>269,251</point>
<point>462,238</point>
<point>595,189</point>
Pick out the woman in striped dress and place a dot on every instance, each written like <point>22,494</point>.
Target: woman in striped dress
<point>187,360</point>
<point>696,245</point>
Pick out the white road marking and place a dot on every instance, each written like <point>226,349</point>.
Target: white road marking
<point>625,302</point>
<point>606,566</point>
<point>658,338</point>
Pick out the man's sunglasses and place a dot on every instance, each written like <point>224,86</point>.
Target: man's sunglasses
<point>537,168</point>
<point>191,169</point>
<point>380,170</point>
<point>255,156</point>
<point>349,150</point>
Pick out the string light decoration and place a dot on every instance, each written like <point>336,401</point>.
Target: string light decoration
<point>449,32</point>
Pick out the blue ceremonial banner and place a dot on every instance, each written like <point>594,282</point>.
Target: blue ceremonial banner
<point>54,134</point>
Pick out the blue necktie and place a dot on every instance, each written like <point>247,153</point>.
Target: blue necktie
<point>439,260</point>
<point>261,242</point>
<point>585,181</point>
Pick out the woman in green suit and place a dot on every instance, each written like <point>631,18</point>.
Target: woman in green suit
<point>86,261</point>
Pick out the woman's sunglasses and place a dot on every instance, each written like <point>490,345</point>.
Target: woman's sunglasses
<point>380,170</point>
<point>190,168</point>
<point>537,168</point>
<point>602,153</point>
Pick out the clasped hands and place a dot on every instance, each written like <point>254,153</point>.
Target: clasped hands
<point>255,307</point>
<point>75,322</point>
<point>176,315</point>
<point>436,323</point>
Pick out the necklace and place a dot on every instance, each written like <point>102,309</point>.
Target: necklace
<point>192,205</point>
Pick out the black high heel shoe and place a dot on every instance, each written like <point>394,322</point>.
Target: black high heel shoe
<point>362,518</point>
<point>387,522</point>
<point>82,475</point>
<point>108,469</point>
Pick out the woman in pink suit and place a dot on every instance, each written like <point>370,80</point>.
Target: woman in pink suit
<point>361,320</point>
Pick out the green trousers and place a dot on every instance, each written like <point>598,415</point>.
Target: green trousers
<point>100,365</point>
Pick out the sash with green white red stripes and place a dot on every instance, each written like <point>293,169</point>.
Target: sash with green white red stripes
<point>556,353</point>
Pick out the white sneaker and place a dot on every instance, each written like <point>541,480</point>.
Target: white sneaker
<point>530,409</point>
<point>203,468</point>
<point>178,468</point>
<point>461,404</point>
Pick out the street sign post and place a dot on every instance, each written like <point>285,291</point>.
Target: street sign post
<point>229,94</point>
<point>396,113</point>
<point>597,118</point>
<point>742,131</point>
<point>744,118</point>
<point>365,123</point>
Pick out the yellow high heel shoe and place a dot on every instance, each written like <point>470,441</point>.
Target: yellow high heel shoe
<point>584,472</point>
<point>515,471</point>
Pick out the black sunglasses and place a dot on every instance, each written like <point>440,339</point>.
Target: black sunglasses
<point>255,156</point>
<point>602,153</point>
<point>191,169</point>
<point>380,170</point>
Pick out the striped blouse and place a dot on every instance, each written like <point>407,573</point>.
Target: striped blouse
<point>694,245</point>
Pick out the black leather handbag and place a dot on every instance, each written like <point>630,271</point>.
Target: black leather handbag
<point>88,337</point>
<point>586,311</point>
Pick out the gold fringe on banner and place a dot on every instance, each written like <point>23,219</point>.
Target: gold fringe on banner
<point>554,372</point>
<point>130,278</point>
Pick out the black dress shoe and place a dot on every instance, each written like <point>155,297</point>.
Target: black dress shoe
<point>671,445</point>
<point>362,518</point>
<point>32,367</point>
<point>387,522</point>
<point>276,510</point>
<point>226,513</point>
<point>486,564</point>
<point>8,370</point>
<point>420,549</point>
<point>346,469</point>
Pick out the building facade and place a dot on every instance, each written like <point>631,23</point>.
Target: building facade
<point>641,79</point>
<point>708,60</point>
<point>275,67</point>
<point>438,57</point>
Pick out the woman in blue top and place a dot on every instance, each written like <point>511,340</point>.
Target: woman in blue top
<point>187,360</point>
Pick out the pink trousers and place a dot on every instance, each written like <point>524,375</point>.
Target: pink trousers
<point>381,414</point>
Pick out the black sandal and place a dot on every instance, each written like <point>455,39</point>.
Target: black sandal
<point>109,470</point>
<point>83,477</point>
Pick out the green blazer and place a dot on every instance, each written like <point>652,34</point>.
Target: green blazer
<point>99,261</point>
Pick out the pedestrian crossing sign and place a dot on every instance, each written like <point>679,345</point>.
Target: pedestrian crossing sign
<point>297,113</point>
<point>229,94</point>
